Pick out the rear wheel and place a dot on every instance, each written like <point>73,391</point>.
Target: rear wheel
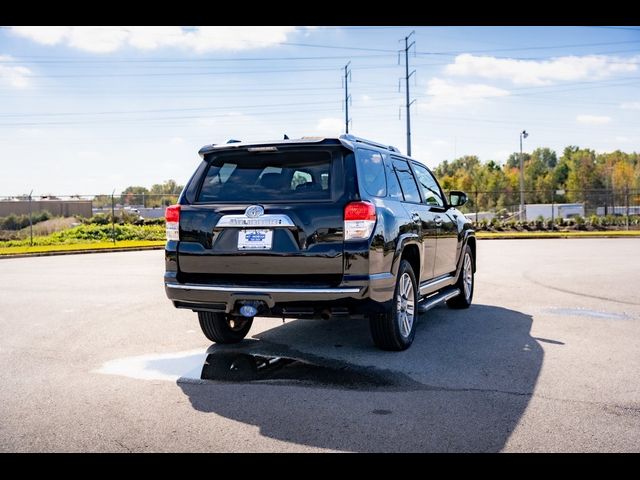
<point>223,328</point>
<point>465,282</point>
<point>396,329</point>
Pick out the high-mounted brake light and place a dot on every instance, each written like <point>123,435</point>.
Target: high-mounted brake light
<point>262,149</point>
<point>359,220</point>
<point>172,218</point>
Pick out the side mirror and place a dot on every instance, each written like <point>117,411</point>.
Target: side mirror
<point>457,198</point>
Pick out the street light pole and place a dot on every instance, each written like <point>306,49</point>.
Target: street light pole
<point>30,221</point>
<point>523,217</point>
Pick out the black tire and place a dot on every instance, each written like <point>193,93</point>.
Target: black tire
<point>217,327</point>
<point>388,330</point>
<point>466,296</point>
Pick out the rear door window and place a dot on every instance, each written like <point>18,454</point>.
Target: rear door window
<point>267,177</point>
<point>406,180</point>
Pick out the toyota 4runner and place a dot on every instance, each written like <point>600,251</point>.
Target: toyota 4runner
<point>316,228</point>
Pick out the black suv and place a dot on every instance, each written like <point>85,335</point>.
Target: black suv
<point>316,228</point>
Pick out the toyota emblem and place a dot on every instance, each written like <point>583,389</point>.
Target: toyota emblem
<point>254,211</point>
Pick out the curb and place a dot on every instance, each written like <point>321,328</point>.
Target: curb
<point>77,252</point>
<point>553,237</point>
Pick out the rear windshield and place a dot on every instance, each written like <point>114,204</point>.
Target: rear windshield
<point>267,177</point>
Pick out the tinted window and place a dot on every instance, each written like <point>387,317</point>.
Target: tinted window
<point>393,186</point>
<point>371,172</point>
<point>259,177</point>
<point>407,182</point>
<point>429,186</point>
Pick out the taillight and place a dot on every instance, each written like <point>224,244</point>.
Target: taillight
<point>359,220</point>
<point>172,217</point>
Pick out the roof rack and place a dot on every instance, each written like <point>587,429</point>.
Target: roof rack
<point>353,138</point>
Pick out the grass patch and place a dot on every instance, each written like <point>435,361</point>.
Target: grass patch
<point>573,234</point>
<point>93,233</point>
<point>80,246</point>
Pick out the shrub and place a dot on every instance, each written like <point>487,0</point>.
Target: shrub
<point>98,219</point>
<point>94,233</point>
<point>18,222</point>
<point>154,221</point>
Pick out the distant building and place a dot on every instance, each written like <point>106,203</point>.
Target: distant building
<point>557,210</point>
<point>144,212</point>
<point>618,210</point>
<point>57,208</point>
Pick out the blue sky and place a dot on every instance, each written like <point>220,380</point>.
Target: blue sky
<point>89,110</point>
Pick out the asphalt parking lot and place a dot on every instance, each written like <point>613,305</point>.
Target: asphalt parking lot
<point>93,357</point>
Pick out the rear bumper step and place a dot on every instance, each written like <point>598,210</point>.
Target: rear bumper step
<point>304,291</point>
<point>225,297</point>
<point>430,302</point>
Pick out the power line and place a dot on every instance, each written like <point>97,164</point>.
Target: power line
<point>613,28</point>
<point>547,47</point>
<point>181,74</point>
<point>184,117</point>
<point>16,59</point>
<point>126,112</point>
<point>338,47</point>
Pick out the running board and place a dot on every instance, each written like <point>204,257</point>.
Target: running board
<point>430,302</point>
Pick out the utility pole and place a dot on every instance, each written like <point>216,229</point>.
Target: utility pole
<point>523,217</point>
<point>347,97</point>
<point>408,46</point>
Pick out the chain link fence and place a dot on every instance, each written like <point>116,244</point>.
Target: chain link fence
<point>605,207</point>
<point>600,207</point>
<point>45,214</point>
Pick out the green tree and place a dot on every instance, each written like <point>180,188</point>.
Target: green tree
<point>514,159</point>
<point>135,195</point>
<point>163,194</point>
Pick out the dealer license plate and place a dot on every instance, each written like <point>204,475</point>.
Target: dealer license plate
<point>255,239</point>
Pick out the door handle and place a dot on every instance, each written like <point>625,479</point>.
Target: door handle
<point>438,221</point>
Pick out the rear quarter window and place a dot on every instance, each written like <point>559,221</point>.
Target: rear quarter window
<point>371,172</point>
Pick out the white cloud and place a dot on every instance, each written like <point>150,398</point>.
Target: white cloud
<point>444,93</point>
<point>44,35</point>
<point>16,76</point>
<point>630,105</point>
<point>176,140</point>
<point>330,126</point>
<point>541,72</point>
<point>439,143</point>
<point>593,119</point>
<point>199,39</point>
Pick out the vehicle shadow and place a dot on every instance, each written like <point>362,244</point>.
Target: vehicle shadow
<point>462,386</point>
